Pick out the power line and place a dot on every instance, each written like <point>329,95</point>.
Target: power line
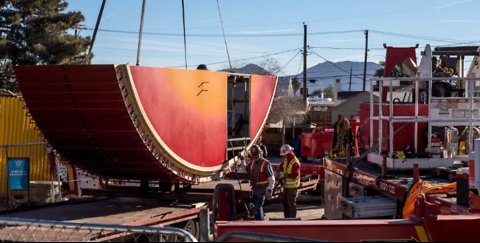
<point>259,35</point>
<point>344,48</point>
<point>296,54</point>
<point>336,66</point>
<point>419,37</point>
<point>227,35</point>
<point>337,76</point>
<point>214,63</point>
<point>251,58</point>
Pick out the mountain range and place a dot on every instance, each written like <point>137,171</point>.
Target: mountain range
<point>322,75</point>
<point>325,74</point>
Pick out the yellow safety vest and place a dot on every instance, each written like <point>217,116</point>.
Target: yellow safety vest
<point>290,183</point>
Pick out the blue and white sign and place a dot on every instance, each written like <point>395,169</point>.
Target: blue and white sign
<point>18,173</point>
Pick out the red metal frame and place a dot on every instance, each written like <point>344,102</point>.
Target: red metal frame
<point>400,129</point>
<point>387,187</point>
<point>433,227</point>
<point>344,231</point>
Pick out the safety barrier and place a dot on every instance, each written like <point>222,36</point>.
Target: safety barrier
<point>23,230</point>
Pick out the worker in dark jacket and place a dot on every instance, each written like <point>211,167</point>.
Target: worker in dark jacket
<point>262,179</point>
<point>263,147</point>
<point>289,173</point>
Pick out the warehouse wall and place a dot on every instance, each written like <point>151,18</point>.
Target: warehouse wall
<point>19,137</point>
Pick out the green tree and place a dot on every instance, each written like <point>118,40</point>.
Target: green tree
<point>38,32</point>
<point>329,91</point>
<point>396,71</point>
<point>379,72</point>
<point>317,92</point>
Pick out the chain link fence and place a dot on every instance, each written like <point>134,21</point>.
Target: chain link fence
<point>26,230</point>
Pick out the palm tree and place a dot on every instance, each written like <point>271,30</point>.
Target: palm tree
<point>295,85</point>
<point>396,71</point>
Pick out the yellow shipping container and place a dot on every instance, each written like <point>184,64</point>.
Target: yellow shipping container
<point>20,137</point>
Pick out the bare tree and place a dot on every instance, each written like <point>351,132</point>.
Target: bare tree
<point>287,108</point>
<point>271,65</point>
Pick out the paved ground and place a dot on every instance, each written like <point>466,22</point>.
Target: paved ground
<point>308,208</point>
<point>109,211</point>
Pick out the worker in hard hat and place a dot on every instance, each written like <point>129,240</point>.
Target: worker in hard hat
<point>262,146</point>
<point>262,180</point>
<point>289,173</point>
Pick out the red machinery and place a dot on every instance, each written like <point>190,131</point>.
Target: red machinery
<point>318,142</point>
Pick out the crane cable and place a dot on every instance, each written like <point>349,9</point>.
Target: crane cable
<point>140,32</point>
<point>289,61</point>
<point>88,59</point>
<point>224,37</point>
<point>184,34</point>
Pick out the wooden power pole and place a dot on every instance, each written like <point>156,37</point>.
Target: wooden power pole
<point>350,83</point>
<point>365,63</point>
<point>305,46</point>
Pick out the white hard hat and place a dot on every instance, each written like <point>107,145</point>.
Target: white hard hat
<point>285,149</point>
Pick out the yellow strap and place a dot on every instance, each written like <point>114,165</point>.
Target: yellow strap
<point>422,234</point>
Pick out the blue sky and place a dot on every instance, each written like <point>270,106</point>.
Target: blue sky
<point>258,30</point>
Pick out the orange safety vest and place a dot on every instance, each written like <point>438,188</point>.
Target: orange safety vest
<point>262,177</point>
<point>290,183</point>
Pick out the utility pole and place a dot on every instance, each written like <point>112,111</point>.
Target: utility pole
<point>305,46</point>
<point>365,63</point>
<point>350,83</point>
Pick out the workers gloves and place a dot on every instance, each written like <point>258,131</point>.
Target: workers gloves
<point>269,194</point>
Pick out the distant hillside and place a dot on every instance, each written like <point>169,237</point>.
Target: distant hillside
<point>248,69</point>
<point>326,73</point>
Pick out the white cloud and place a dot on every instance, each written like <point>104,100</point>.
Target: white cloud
<point>354,40</point>
<point>111,15</point>
<point>453,3</point>
<point>263,32</point>
<point>453,21</point>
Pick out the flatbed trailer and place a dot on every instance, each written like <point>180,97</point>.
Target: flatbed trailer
<point>437,217</point>
<point>132,207</point>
